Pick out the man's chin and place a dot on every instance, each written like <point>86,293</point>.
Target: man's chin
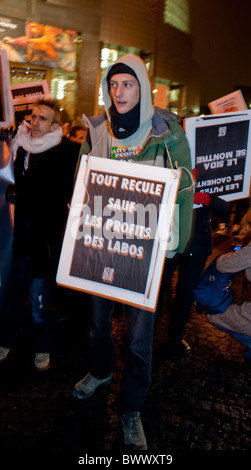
<point>121,109</point>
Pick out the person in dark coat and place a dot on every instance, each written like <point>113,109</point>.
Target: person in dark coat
<point>191,264</point>
<point>44,167</point>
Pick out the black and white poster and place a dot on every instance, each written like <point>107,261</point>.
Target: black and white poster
<point>117,231</point>
<point>220,149</point>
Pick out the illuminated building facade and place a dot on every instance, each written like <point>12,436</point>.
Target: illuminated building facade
<point>69,43</point>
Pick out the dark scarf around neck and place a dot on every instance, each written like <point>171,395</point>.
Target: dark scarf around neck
<point>124,125</point>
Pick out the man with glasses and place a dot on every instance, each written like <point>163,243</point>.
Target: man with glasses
<point>44,166</point>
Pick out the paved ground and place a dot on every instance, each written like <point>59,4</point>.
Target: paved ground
<point>197,404</point>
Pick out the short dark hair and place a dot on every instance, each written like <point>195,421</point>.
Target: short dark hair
<point>75,129</point>
<point>53,105</point>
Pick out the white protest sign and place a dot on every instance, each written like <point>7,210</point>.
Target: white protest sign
<point>117,230</point>
<point>6,108</point>
<point>29,92</point>
<point>228,104</point>
<point>25,96</point>
<point>221,152</point>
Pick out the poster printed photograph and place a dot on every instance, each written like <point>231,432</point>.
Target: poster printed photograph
<point>220,149</point>
<point>117,230</point>
<point>38,44</point>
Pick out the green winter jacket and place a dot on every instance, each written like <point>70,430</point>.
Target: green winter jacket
<point>165,131</point>
<point>165,145</point>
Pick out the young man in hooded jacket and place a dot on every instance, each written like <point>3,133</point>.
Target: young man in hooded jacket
<point>132,126</point>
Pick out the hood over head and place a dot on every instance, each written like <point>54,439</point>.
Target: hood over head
<point>140,71</point>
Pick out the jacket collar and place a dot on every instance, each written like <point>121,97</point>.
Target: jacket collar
<point>159,121</point>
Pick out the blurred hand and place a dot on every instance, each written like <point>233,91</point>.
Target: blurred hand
<point>11,193</point>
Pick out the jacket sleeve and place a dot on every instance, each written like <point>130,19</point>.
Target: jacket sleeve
<point>235,261</point>
<point>84,150</point>
<point>219,206</point>
<point>181,158</point>
<point>86,145</point>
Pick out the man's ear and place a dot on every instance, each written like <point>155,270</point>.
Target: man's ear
<point>54,126</point>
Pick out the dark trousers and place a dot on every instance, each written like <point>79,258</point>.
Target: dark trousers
<point>38,290</point>
<point>138,366</point>
<point>190,271</point>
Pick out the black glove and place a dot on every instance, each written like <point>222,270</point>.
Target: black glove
<point>10,193</point>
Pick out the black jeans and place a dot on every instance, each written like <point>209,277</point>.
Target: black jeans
<point>190,271</point>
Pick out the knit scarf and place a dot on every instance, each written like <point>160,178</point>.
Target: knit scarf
<point>33,145</point>
<point>124,125</point>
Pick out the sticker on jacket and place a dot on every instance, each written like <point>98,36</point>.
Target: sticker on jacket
<point>125,153</point>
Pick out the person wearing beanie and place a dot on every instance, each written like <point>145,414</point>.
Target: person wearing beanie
<point>132,129</point>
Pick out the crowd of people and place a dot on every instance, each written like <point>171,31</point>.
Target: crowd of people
<point>45,164</point>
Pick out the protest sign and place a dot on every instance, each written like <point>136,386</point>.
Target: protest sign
<point>6,109</point>
<point>6,176</point>
<point>28,92</point>
<point>6,212</point>
<point>221,152</point>
<point>228,104</point>
<point>25,96</point>
<point>117,230</point>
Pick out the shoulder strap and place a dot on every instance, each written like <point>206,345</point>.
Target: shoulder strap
<point>167,158</point>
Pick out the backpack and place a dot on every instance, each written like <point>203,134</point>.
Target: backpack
<point>213,294</point>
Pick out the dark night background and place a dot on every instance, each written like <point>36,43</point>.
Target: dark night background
<point>221,32</point>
